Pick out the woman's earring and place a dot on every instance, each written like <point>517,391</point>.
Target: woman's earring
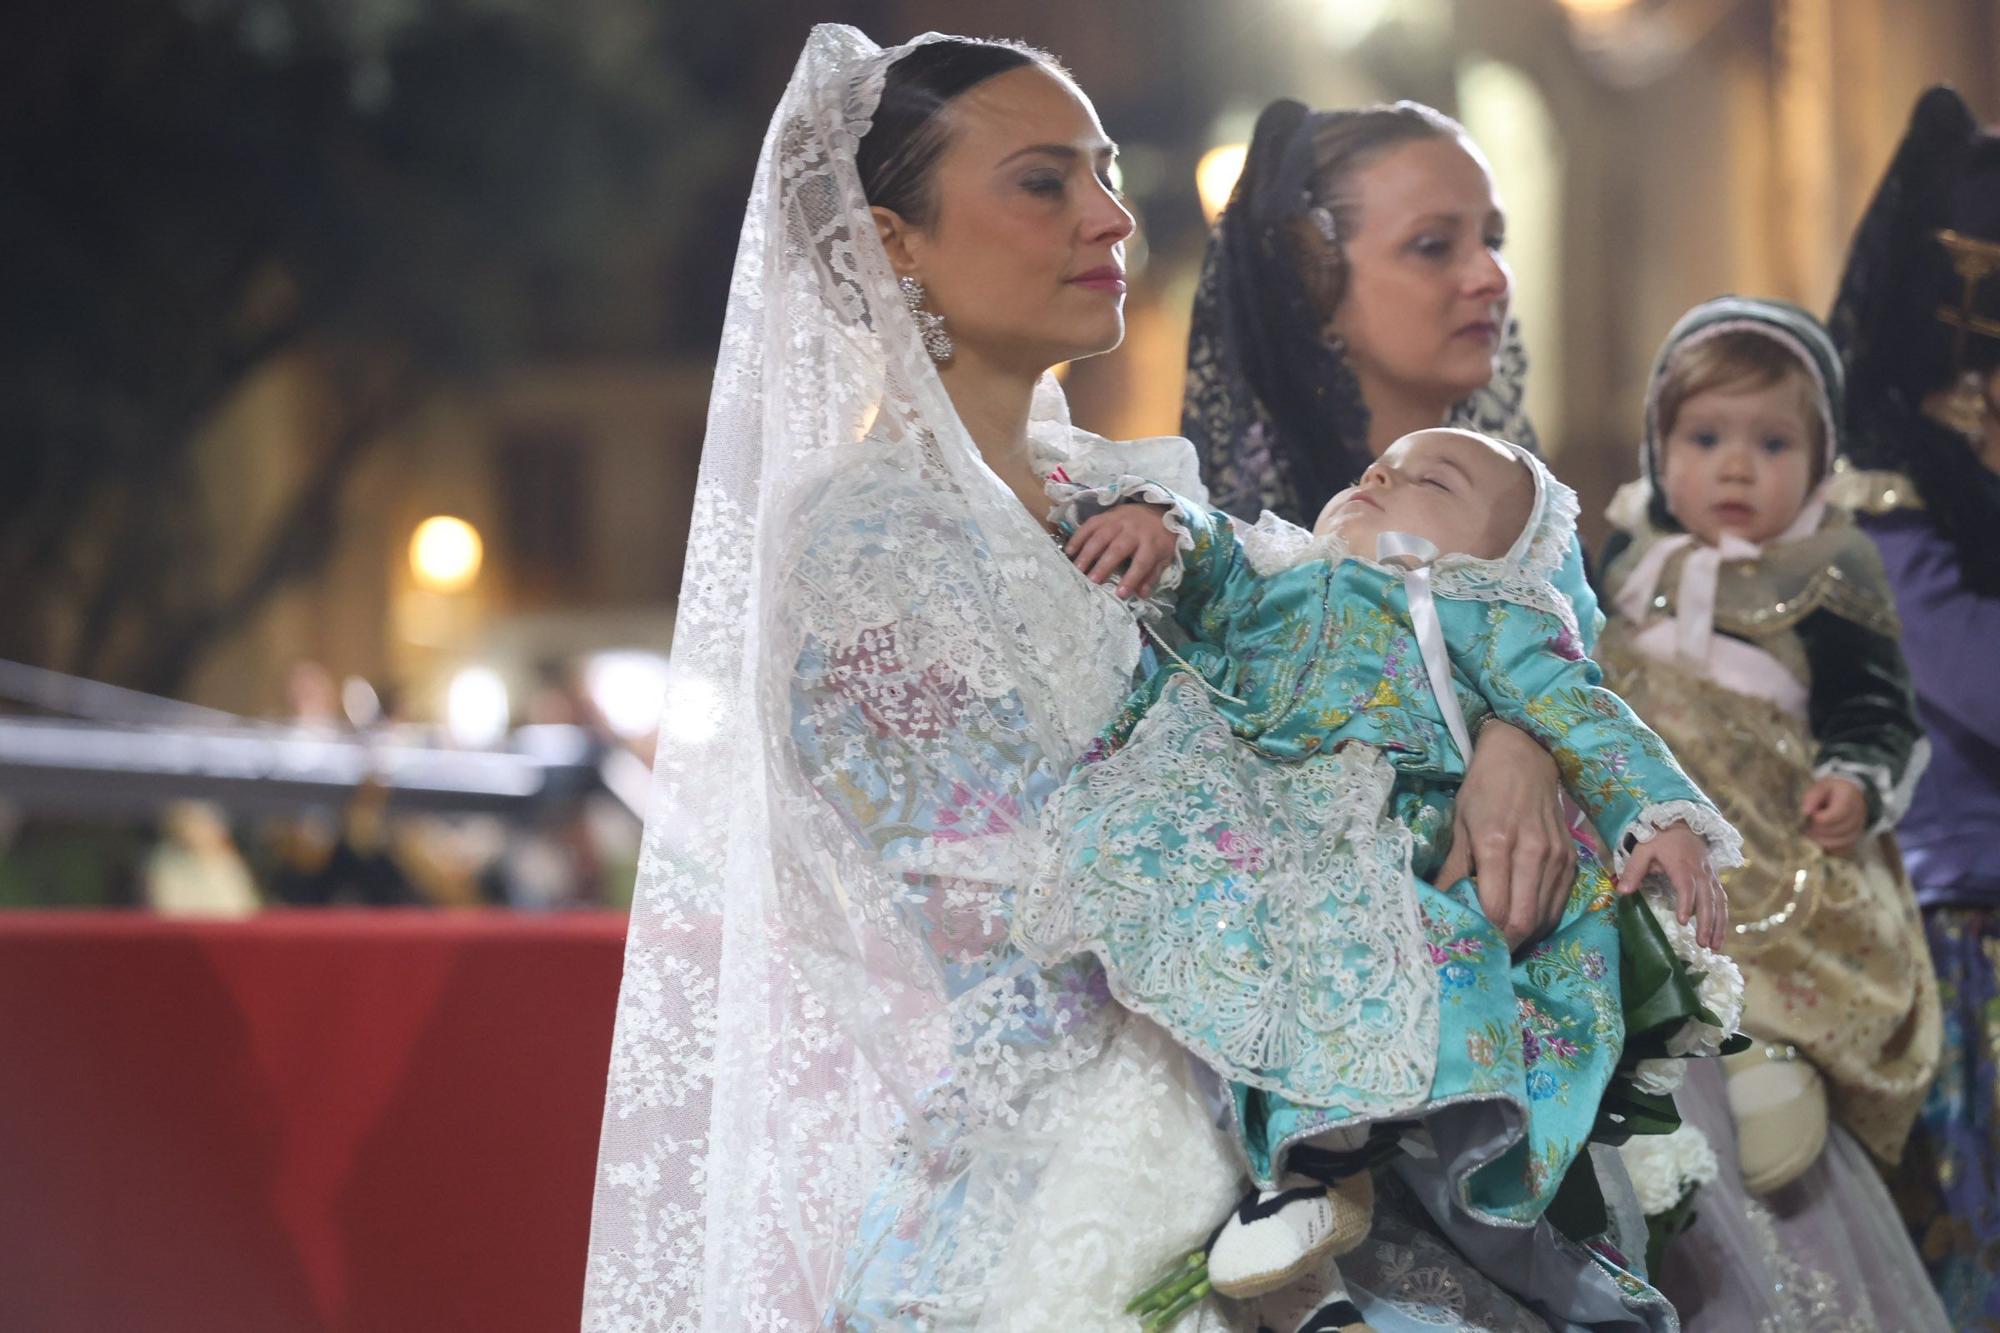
<point>930,326</point>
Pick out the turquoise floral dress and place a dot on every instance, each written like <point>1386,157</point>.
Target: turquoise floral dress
<point>1251,849</point>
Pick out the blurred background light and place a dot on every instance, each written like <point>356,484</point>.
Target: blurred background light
<point>360,702</point>
<point>476,708</point>
<point>1345,24</point>
<point>629,689</point>
<point>1215,176</point>
<point>446,553</point>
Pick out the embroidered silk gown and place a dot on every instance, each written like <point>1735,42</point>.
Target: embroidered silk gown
<point>1252,853</point>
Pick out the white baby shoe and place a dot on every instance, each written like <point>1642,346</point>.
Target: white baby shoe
<point>1276,1235</point>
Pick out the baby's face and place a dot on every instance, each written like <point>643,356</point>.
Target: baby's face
<point>1739,462</point>
<point>1462,492</point>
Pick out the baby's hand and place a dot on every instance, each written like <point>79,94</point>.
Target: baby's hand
<point>1678,852</point>
<point>1132,535</point>
<point>1835,814</point>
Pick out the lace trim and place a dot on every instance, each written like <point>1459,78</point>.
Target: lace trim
<point>1725,844</point>
<point>1272,544</point>
<point>1076,504</point>
<point>1281,942</point>
<point>1092,460</point>
<point>1525,576</point>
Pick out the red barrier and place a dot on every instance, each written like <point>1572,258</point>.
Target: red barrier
<point>314,1122</point>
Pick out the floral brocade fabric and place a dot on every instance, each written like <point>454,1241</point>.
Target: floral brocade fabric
<point>1831,948</point>
<point>1251,849</point>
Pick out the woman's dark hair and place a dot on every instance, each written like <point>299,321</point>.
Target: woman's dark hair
<point>897,155</point>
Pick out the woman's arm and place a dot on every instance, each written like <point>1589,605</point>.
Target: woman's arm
<point>1947,627</point>
<point>1529,668</point>
<point>1509,834</point>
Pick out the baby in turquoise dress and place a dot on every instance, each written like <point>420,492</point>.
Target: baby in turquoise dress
<point>1250,847</point>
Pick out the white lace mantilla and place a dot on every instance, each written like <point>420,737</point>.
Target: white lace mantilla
<point>835,1086</point>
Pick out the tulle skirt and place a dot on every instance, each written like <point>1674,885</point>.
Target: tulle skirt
<point>1133,1174</point>
<point>1826,1254</point>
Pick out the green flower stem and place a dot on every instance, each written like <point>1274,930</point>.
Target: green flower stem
<point>1189,1275</point>
<point>1165,1320</point>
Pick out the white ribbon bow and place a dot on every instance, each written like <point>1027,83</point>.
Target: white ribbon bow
<point>1694,597</point>
<point>1414,556</point>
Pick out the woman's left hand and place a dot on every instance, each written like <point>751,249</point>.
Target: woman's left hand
<point>1509,834</point>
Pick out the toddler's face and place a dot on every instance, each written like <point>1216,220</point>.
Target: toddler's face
<point>1462,492</point>
<point>1739,461</point>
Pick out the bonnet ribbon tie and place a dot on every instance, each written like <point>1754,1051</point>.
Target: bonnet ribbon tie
<point>1413,556</point>
<point>1695,595</point>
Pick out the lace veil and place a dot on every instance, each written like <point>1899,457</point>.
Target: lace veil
<point>881,664</point>
<point>1272,408</point>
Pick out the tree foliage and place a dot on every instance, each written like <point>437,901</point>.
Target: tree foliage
<point>409,193</point>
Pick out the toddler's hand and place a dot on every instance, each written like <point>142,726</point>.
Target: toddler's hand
<point>1835,814</point>
<point>1678,852</point>
<point>1133,535</point>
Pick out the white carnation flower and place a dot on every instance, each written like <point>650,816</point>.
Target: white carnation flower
<point>1665,1167</point>
<point>1658,1077</point>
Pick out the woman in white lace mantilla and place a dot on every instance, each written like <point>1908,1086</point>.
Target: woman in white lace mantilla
<point>839,1097</point>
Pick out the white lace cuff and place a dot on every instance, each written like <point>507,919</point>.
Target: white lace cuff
<point>1720,987</point>
<point>1076,504</point>
<point>1725,844</point>
<point>1720,984</point>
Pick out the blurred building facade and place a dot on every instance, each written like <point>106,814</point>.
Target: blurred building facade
<point>1652,154</point>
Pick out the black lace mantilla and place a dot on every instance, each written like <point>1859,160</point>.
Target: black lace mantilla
<point>1945,174</point>
<point>1273,409</point>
